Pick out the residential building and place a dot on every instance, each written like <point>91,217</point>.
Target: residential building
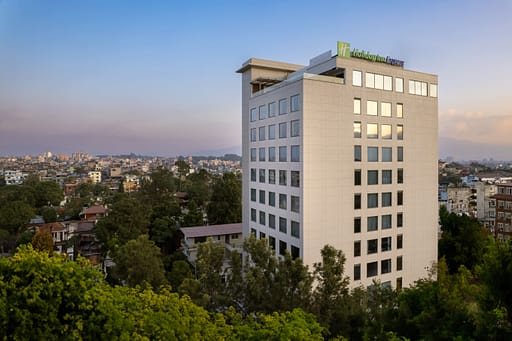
<point>95,177</point>
<point>503,211</point>
<point>343,152</point>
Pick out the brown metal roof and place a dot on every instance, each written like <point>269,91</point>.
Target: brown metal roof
<point>211,230</point>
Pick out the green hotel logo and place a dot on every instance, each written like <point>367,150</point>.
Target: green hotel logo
<point>343,49</point>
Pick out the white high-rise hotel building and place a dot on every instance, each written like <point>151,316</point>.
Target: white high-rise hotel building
<point>343,152</point>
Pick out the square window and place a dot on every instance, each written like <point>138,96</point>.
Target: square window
<point>263,112</point>
<point>357,248</point>
<point>373,154</point>
<point>271,154</point>
<point>357,201</point>
<point>282,130</point>
<point>253,214</point>
<point>399,110</point>
<point>282,177</point>
<point>295,178</point>
<point>282,201</point>
<point>357,272</point>
<point>399,241</point>
<point>357,153</point>
<point>400,132</point>
<point>357,129</point>
<point>272,199</point>
<point>295,203</point>
<point>356,78</point>
<point>262,154</point>
<point>372,130</point>
<point>385,131</point>
<point>272,176</point>
<point>282,248</point>
<point>400,177</point>
<point>385,109</point>
<point>282,225</point>
<point>387,154</point>
<point>282,154</point>
<point>272,221</point>
<point>357,177</point>
<point>357,225</point>
<point>272,109</point>
<point>399,219</point>
<point>399,263</point>
<point>253,194</point>
<point>253,174</point>
<point>253,135</point>
<point>283,107</point>
<point>372,223</point>
<point>261,133</point>
<point>373,200</point>
<point>385,244</point>
<point>294,103</point>
<point>262,196</point>
<point>373,246</point>
<point>373,177</point>
<point>357,106</point>
<point>371,108</point>
<point>295,128</point>
<point>295,229</point>
<point>295,153</point>
<point>272,132</point>
<point>262,218</point>
<point>400,198</point>
<point>254,114</point>
<point>386,221</point>
<point>400,154</point>
<point>386,199</point>
<point>387,176</point>
<point>385,266</point>
<point>253,154</point>
<point>262,175</point>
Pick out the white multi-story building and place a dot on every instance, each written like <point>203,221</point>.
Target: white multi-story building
<point>343,152</point>
<point>95,176</point>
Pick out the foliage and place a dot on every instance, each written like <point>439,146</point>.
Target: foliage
<point>14,215</point>
<point>43,241</point>
<point>194,216</point>
<point>48,213</point>
<point>225,205</point>
<point>48,193</point>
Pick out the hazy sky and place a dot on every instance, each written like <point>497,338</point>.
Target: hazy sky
<point>158,77</point>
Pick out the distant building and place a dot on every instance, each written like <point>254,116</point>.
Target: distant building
<point>14,177</point>
<point>93,213</point>
<point>503,215</point>
<point>95,177</point>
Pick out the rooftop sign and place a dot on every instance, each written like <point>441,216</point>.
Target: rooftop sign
<point>344,52</point>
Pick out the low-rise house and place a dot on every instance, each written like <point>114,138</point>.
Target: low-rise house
<point>93,213</point>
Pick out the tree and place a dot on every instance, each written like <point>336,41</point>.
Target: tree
<point>14,215</point>
<point>194,216</point>
<point>198,187</point>
<point>179,272</point>
<point>139,261</point>
<point>225,205</point>
<point>48,213</point>
<point>43,241</point>
<point>210,259</point>
<point>48,193</point>
<point>161,184</point>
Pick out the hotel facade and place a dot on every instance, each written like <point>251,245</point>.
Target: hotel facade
<point>343,152</point>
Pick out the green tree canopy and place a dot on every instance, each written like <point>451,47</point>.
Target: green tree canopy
<point>225,204</point>
<point>14,215</point>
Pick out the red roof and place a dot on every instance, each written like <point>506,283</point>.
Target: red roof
<point>98,209</point>
<point>211,230</point>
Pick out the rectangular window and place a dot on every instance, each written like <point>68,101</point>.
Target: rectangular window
<point>385,131</point>
<point>295,229</point>
<point>272,199</point>
<point>399,219</point>
<point>295,153</point>
<point>262,196</point>
<point>282,130</point>
<point>282,154</point>
<point>400,154</point>
<point>386,199</point>
<point>400,132</point>
<point>373,177</point>
<point>295,203</point>
<point>387,176</point>
<point>253,232</point>
<point>253,174</point>
<point>295,252</point>
<point>356,78</point>
<point>398,283</point>
<point>283,106</point>
<point>357,106</point>
<point>386,221</point>
<point>373,154</point>
<point>295,178</point>
<point>357,225</point>
<point>399,241</point>
<point>282,225</point>
<point>388,83</point>
<point>399,110</point>
<point>433,90</point>
<point>385,109</point>
<point>282,248</point>
<point>253,154</point>
<point>417,88</point>
<point>253,214</point>
<point>262,133</point>
<point>294,128</point>
<point>262,218</point>
<point>400,198</point>
<point>272,242</point>
<point>373,246</point>
<point>262,235</point>
<point>372,223</point>
<point>387,154</point>
<point>282,177</point>
<point>271,154</point>
<point>253,135</point>
<point>254,114</point>
<point>379,82</point>
<point>253,194</point>
<point>294,103</point>
<point>357,177</point>
<point>357,272</point>
<point>357,153</point>
<point>262,175</point>
<point>263,112</point>
<point>385,244</point>
<point>399,84</point>
<point>385,266</point>
<point>357,129</point>
<point>272,109</point>
<point>400,177</point>
<point>399,263</point>
<point>272,176</point>
<point>370,80</point>
<point>262,154</point>
<point>272,132</point>
<point>282,201</point>
<point>357,201</point>
<point>272,221</point>
<point>371,108</point>
<point>372,130</point>
<point>357,248</point>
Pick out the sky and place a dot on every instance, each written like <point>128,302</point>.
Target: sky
<point>158,77</point>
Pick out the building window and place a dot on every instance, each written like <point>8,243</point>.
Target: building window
<point>386,199</point>
<point>272,132</point>
<point>263,112</point>
<point>372,269</point>
<point>253,214</point>
<point>417,88</point>
<point>372,223</point>
<point>371,108</point>
<point>357,201</point>
<point>357,153</point>
<point>357,106</point>
<point>295,178</point>
<point>262,196</point>
<point>387,154</point>
<point>400,132</point>
<point>295,153</point>
<point>254,114</point>
<point>272,176</point>
<point>282,130</point>
<point>433,90</point>
<point>400,198</point>
<point>373,154</point>
<point>253,174</point>
<point>399,219</point>
<point>399,283</point>
<point>272,109</point>
<point>294,103</point>
<point>253,194</point>
<point>387,176</point>
<point>262,175</point>
<point>271,154</point>
<point>295,252</point>
<point>282,201</point>
<point>357,272</point>
<point>386,221</point>
<point>385,266</point>
<point>253,154</point>
<point>385,244</point>
<point>295,229</point>
<point>272,242</point>
<point>373,177</point>
<point>357,177</point>
<point>283,107</point>
<point>282,177</point>
<point>295,203</point>
<point>253,232</point>
<point>399,263</point>
<point>262,154</point>
<point>385,109</point>
<point>282,248</point>
<point>262,133</point>
<point>357,129</point>
<point>262,218</point>
<point>399,241</point>
<point>373,246</point>
<point>272,199</point>
<point>357,248</point>
<point>372,130</point>
<point>385,131</point>
<point>399,84</point>
<point>357,225</point>
<point>294,128</point>
<point>370,80</point>
<point>262,235</point>
<point>388,83</point>
<point>400,154</point>
<point>399,110</point>
<point>379,82</point>
<point>282,225</point>
<point>356,78</point>
<point>282,154</point>
<point>400,177</point>
<point>253,135</point>
<point>272,221</point>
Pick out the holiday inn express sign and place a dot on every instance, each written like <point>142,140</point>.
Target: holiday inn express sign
<point>344,52</point>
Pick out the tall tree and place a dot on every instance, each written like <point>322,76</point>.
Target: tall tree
<point>43,241</point>
<point>14,215</point>
<point>48,193</point>
<point>226,201</point>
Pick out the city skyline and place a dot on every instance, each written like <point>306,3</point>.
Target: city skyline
<point>159,78</point>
